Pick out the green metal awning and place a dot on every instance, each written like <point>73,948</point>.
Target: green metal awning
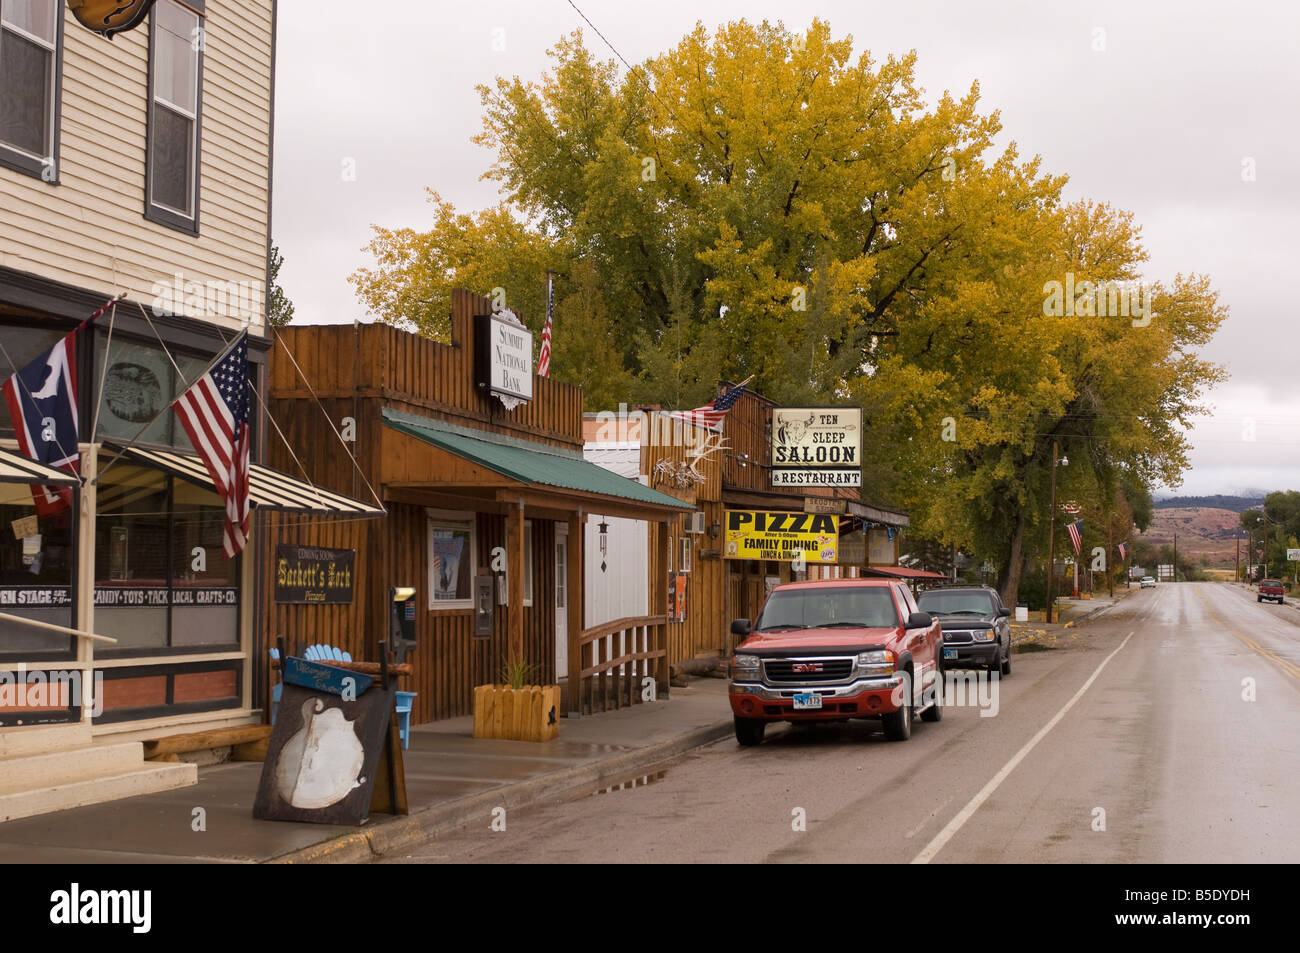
<point>527,461</point>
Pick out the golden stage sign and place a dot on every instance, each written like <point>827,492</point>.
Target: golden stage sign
<point>758,534</point>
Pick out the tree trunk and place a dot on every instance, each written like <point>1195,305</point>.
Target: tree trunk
<point>1013,566</point>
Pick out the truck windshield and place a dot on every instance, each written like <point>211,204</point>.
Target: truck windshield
<point>824,607</point>
<point>949,603</point>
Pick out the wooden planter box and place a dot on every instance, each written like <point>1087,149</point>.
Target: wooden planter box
<point>531,713</point>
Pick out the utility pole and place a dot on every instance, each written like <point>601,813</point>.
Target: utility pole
<point>1175,555</point>
<point>1236,564</point>
<point>1051,535</point>
<point>1110,548</point>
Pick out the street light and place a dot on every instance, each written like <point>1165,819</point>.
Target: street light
<point>1051,528</point>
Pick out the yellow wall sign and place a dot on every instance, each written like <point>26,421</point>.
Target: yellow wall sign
<point>758,534</point>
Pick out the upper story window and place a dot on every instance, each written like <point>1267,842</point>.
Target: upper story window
<point>30,34</point>
<point>175,106</point>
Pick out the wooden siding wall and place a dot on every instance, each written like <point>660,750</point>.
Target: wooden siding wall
<point>89,230</point>
<point>448,660</point>
<point>374,363</point>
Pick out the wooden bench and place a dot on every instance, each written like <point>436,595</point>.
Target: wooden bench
<point>247,743</point>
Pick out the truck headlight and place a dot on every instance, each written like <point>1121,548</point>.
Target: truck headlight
<point>880,662</point>
<point>984,635</point>
<point>745,668</point>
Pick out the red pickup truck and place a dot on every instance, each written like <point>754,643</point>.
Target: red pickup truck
<point>837,649</point>
<point>1271,589</point>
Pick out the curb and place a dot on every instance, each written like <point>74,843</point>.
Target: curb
<point>363,846</point>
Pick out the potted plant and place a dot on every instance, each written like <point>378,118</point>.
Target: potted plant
<point>516,710</point>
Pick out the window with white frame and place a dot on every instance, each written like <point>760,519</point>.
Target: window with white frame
<point>453,556</point>
<point>528,562</point>
<point>175,68</point>
<point>30,81</point>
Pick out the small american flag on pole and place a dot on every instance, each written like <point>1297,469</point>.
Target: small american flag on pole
<point>214,412</point>
<point>714,412</point>
<point>1123,552</point>
<point>1076,535</point>
<point>544,358</point>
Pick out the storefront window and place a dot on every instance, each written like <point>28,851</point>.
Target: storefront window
<point>452,559</point>
<point>161,580</point>
<point>37,554</point>
<point>139,383</point>
<point>18,348</point>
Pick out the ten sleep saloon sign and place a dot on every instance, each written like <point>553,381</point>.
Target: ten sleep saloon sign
<point>758,534</point>
<point>309,575</point>
<point>504,357</point>
<point>817,446</point>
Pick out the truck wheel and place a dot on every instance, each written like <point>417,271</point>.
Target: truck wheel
<point>749,731</point>
<point>1006,662</point>
<point>898,724</point>
<point>1260,599</point>
<point>935,712</point>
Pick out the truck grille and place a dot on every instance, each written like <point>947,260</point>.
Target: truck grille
<point>807,670</point>
<point>958,637</point>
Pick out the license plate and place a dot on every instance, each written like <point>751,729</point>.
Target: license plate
<point>805,702</point>
<point>949,653</point>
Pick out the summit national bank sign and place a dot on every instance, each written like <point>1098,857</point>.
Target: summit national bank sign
<point>817,446</point>
<point>504,357</point>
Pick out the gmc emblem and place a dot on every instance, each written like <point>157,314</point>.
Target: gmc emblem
<point>806,667</point>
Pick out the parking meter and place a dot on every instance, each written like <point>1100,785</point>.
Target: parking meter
<point>401,628</point>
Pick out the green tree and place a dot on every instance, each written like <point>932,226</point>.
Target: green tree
<point>280,311</point>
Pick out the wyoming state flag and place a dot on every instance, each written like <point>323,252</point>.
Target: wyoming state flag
<point>42,399</point>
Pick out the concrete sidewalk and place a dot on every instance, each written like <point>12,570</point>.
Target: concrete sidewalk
<point>451,778</point>
<point>1069,613</point>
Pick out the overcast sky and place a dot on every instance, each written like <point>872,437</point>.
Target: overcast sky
<point>1159,122</point>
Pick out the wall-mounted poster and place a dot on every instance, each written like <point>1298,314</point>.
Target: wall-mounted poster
<point>450,548</point>
<point>817,446</point>
<point>677,585</point>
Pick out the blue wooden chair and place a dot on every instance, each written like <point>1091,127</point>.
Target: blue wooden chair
<point>404,702</point>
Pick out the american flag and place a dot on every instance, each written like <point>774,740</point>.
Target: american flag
<point>214,412</point>
<point>544,358</point>
<point>712,414</point>
<point>1076,535</point>
<point>1123,553</point>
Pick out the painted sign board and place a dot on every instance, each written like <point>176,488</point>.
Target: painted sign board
<point>759,534</point>
<point>817,446</point>
<point>1293,555</point>
<point>504,355</point>
<point>310,575</point>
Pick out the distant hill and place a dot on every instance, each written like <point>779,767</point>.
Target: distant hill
<point>1238,504</point>
<point>1203,531</point>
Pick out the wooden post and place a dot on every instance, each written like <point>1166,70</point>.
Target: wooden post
<point>1051,536</point>
<point>515,596</point>
<point>577,612</point>
<point>659,593</point>
<point>85,620</point>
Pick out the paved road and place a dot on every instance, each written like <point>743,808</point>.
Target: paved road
<point>1142,714</point>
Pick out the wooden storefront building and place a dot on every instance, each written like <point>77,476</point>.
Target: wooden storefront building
<point>486,514</point>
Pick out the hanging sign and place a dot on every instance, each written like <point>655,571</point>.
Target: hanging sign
<point>757,534</point>
<point>309,575</point>
<point>817,446</point>
<point>108,17</point>
<point>504,357</point>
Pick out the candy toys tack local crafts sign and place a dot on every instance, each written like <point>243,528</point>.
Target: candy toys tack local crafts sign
<point>756,534</point>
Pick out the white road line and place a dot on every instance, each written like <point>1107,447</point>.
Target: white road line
<point>966,813</point>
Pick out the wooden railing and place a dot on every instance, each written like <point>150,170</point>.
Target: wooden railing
<point>617,657</point>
